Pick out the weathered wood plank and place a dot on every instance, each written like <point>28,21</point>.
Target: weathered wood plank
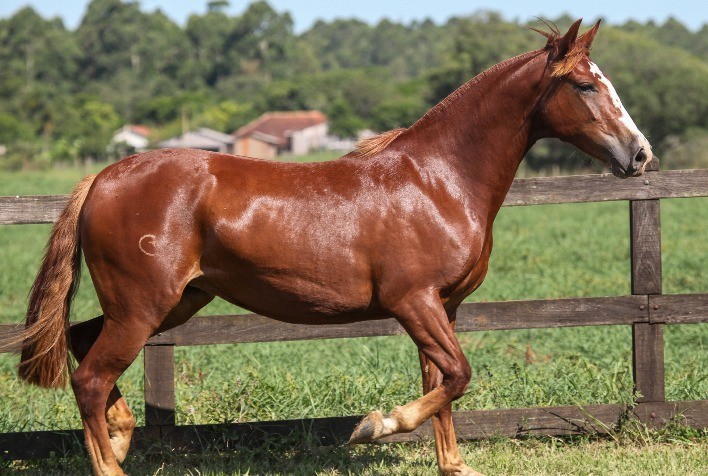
<point>533,191</point>
<point>41,444</point>
<point>159,385</point>
<point>648,361</point>
<point>647,339</point>
<point>564,420</point>
<point>470,317</point>
<point>31,209</point>
<point>544,313</point>
<point>605,187</point>
<point>678,308</point>
<point>673,309</point>
<point>645,243</point>
<point>560,420</point>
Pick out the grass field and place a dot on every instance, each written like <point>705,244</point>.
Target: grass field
<point>540,252</point>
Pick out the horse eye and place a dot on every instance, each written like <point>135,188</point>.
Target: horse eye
<point>585,87</point>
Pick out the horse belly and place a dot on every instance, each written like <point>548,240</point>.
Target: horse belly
<point>291,281</point>
<point>287,298</point>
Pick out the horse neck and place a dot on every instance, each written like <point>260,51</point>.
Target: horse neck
<point>482,131</point>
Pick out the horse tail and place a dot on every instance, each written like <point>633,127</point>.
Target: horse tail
<point>45,358</point>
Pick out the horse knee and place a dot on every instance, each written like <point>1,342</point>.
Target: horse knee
<point>459,378</point>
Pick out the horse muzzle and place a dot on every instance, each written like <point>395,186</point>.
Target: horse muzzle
<point>631,164</point>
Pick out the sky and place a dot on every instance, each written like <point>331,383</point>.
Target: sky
<point>692,13</point>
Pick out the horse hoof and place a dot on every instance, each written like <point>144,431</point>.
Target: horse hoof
<point>461,471</point>
<point>369,429</point>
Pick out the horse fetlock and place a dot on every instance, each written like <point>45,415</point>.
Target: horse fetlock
<point>406,419</point>
<point>120,444</point>
<point>120,422</point>
<point>119,436</point>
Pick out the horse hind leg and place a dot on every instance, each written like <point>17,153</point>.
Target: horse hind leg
<point>93,343</point>
<point>94,380</point>
<point>120,421</point>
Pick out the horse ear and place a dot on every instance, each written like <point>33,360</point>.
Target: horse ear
<point>587,37</point>
<point>566,43</point>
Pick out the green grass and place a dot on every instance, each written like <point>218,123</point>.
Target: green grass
<point>540,252</point>
<point>531,457</point>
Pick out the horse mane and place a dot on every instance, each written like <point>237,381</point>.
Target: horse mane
<point>576,53</point>
<point>562,66</point>
<point>373,145</point>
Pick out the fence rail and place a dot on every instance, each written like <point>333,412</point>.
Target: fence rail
<point>646,310</point>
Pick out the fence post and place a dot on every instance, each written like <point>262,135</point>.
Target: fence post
<point>159,385</point>
<point>647,338</point>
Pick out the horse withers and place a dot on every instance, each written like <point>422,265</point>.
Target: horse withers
<point>401,227</point>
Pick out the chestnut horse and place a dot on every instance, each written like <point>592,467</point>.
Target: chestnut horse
<point>401,227</point>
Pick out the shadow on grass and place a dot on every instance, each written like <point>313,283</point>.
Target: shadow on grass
<point>297,454</point>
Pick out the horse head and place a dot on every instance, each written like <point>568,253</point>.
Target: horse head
<point>580,106</point>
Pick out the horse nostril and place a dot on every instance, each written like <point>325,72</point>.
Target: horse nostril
<point>641,156</point>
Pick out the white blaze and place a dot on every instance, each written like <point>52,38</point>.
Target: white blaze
<point>625,118</point>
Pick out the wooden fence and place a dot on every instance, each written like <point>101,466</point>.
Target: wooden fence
<point>647,310</point>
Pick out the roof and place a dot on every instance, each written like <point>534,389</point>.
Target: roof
<point>278,126</point>
<point>137,129</point>
<point>133,135</point>
<point>200,139</point>
<point>140,130</point>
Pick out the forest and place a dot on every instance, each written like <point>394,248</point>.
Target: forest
<point>63,93</point>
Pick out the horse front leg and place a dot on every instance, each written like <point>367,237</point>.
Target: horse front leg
<point>424,318</point>
<point>449,460</point>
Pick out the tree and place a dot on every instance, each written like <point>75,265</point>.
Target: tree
<point>207,35</point>
<point>65,91</point>
<point>130,52</point>
<point>89,123</point>
<point>217,6</point>
<point>480,41</point>
<point>260,42</point>
<point>35,50</point>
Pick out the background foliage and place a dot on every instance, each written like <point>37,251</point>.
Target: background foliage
<point>63,93</point>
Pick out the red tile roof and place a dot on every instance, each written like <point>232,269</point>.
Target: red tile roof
<point>280,125</point>
<point>140,129</point>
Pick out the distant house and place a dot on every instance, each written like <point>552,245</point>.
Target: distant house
<point>203,138</point>
<point>274,133</point>
<point>130,138</point>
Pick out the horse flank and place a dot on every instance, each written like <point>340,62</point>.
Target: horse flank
<point>45,359</point>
